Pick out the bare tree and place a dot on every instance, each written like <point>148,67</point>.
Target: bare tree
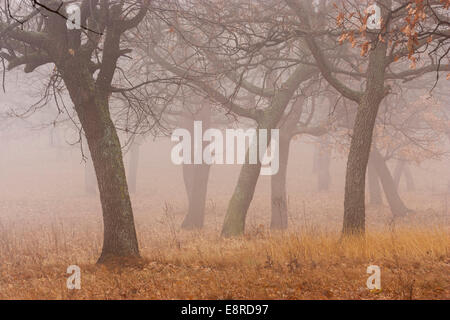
<point>35,33</point>
<point>382,50</point>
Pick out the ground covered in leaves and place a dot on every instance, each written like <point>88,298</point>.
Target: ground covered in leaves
<point>304,264</point>
<point>48,222</point>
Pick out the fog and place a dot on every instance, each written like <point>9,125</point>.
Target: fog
<point>201,149</point>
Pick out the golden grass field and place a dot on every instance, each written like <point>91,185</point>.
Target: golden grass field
<point>47,223</point>
<point>307,262</point>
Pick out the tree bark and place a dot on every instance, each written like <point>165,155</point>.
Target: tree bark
<point>234,223</point>
<point>197,189</point>
<point>92,107</point>
<point>279,220</point>
<point>196,176</point>
<point>88,69</point>
<point>396,204</point>
<point>358,157</point>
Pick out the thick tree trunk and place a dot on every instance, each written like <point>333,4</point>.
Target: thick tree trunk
<point>375,197</point>
<point>92,107</point>
<point>358,157</point>
<point>133,167</point>
<point>119,231</point>
<point>278,189</point>
<point>196,182</point>
<point>396,204</point>
<point>354,203</point>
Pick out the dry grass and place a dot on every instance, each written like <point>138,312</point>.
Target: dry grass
<point>310,264</point>
<point>48,223</point>
<point>43,231</point>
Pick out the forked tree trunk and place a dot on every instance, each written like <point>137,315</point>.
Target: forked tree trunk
<point>375,197</point>
<point>279,218</point>
<point>234,223</point>
<point>396,204</point>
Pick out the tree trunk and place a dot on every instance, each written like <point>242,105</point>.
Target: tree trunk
<point>92,107</point>
<point>396,204</point>
<point>196,176</point>
<point>133,167</point>
<point>358,157</point>
<point>234,224</point>
<point>278,189</point>
<point>375,197</point>
<point>196,190</point>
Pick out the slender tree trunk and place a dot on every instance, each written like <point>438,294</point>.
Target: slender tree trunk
<point>133,167</point>
<point>278,188</point>
<point>196,195</point>
<point>234,224</point>
<point>358,157</point>
<point>196,176</point>
<point>375,197</point>
<point>396,204</point>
